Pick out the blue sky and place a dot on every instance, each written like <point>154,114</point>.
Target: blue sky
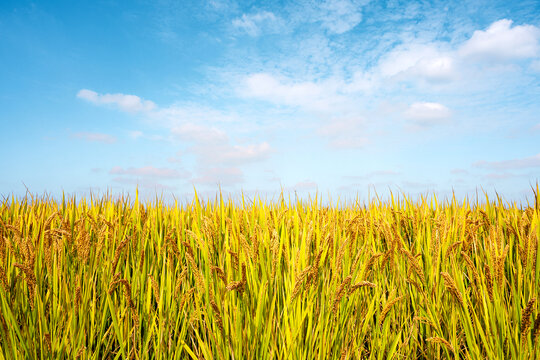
<point>339,97</point>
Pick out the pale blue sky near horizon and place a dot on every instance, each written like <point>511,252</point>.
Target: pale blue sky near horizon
<point>336,97</point>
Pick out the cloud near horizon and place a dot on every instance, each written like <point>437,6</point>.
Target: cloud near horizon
<point>513,164</point>
<point>95,137</point>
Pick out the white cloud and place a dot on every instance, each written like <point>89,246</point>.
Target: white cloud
<point>435,69</point>
<point>149,171</point>
<point>426,61</point>
<point>95,137</point>
<point>501,41</point>
<point>129,103</point>
<point>255,24</point>
<point>218,159</point>
<point>521,163</point>
<point>309,95</point>
<point>427,113</point>
<point>266,86</point>
<point>221,175</point>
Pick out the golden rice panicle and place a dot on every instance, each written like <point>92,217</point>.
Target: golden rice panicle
<point>215,309</point>
<point>339,260</point>
<point>536,328</point>
<point>369,264</point>
<point>361,284</point>
<point>179,281</point>
<point>220,273</point>
<point>30,278</point>
<point>235,259</point>
<point>342,290</point>
<point>451,286</point>
<point>424,320</point>
<point>500,267</point>
<point>255,244</point>
<point>388,307</point>
<point>472,269</point>
<point>489,281</point>
<point>440,340</point>
<point>299,282</point>
<point>246,247</point>
<point>413,261</point>
<point>3,278</point>
<point>77,292</point>
<point>155,287</point>
<point>117,254</point>
<point>239,285</point>
<point>526,318</point>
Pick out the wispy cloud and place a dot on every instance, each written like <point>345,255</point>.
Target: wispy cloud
<point>519,163</point>
<point>95,137</point>
<point>149,171</point>
<point>258,23</point>
<point>241,154</point>
<point>199,133</point>
<point>306,94</point>
<point>459,171</point>
<point>129,103</point>
<point>336,16</point>
<point>373,175</point>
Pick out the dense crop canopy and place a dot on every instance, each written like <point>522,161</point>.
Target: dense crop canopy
<point>115,278</point>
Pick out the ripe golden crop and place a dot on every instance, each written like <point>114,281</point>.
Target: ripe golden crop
<point>119,279</point>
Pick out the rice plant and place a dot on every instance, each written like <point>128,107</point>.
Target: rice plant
<point>116,278</point>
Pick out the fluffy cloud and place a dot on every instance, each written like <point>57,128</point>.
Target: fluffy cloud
<point>217,159</point>
<point>95,137</point>
<point>129,103</point>
<point>427,113</point>
<point>425,61</point>
<point>501,41</point>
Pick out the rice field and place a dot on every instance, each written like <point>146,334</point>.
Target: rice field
<point>117,278</point>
